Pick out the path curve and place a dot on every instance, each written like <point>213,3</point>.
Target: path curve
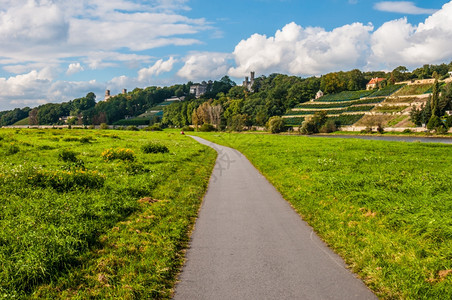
<point>249,243</point>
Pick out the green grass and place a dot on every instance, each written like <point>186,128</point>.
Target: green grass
<point>345,96</point>
<point>347,119</point>
<point>387,91</point>
<point>415,89</point>
<point>79,223</point>
<point>22,122</point>
<point>390,109</point>
<point>385,207</point>
<point>133,121</point>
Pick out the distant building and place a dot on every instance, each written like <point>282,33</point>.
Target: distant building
<point>248,83</point>
<point>373,83</point>
<point>198,89</point>
<point>319,94</point>
<point>107,95</point>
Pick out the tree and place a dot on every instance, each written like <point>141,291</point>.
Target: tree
<point>313,124</point>
<point>445,101</point>
<point>435,99</point>
<point>276,124</point>
<point>33,117</point>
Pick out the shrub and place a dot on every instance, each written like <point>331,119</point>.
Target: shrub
<point>91,127</point>
<point>85,140</point>
<point>132,128</point>
<point>434,123</point>
<point>121,153</point>
<point>103,126</point>
<point>367,130</point>
<point>67,156</point>
<point>12,149</point>
<point>440,130</point>
<point>313,124</point>
<point>187,128</point>
<point>155,127</point>
<point>207,128</point>
<point>380,129</point>
<point>407,131</point>
<point>66,180</point>
<point>329,126</point>
<point>276,124</point>
<point>154,148</point>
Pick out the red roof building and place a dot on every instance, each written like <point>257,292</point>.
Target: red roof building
<point>373,83</point>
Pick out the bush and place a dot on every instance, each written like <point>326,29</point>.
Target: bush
<point>103,126</point>
<point>207,128</point>
<point>434,123</point>
<point>308,127</point>
<point>122,154</point>
<point>155,127</point>
<point>154,148</point>
<point>449,122</point>
<point>276,124</point>
<point>313,124</point>
<point>367,130</point>
<point>329,126</point>
<point>187,128</point>
<point>12,149</point>
<point>85,140</point>
<point>132,128</point>
<point>407,131</point>
<point>66,180</point>
<point>67,156</point>
<point>441,130</point>
<point>380,129</point>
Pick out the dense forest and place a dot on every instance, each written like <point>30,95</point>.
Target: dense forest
<point>223,104</point>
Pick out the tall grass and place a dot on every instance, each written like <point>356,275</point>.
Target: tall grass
<point>75,225</point>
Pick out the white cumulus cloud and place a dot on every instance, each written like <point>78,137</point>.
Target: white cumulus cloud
<point>400,43</point>
<point>403,7</point>
<point>297,50</point>
<point>74,68</point>
<point>202,65</point>
<point>159,67</point>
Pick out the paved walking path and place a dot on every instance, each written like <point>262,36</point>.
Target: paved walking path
<point>249,243</point>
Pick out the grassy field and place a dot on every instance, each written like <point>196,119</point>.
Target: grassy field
<point>96,214</point>
<point>385,207</point>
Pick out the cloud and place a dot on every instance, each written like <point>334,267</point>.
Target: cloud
<point>74,68</point>
<point>43,31</point>
<point>403,7</point>
<point>400,43</point>
<point>308,51</point>
<point>159,67</point>
<point>202,65</point>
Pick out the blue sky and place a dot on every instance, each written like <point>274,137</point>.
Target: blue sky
<point>55,50</point>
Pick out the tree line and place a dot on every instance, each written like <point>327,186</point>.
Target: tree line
<point>224,104</point>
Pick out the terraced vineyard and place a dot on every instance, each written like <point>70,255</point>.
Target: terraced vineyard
<point>346,107</point>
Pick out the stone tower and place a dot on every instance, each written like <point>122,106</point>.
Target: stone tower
<point>107,95</point>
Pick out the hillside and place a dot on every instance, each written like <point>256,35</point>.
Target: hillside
<point>346,108</point>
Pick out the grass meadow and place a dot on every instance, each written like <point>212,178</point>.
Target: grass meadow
<point>96,214</point>
<point>385,207</point>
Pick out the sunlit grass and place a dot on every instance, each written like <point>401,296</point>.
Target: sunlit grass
<point>75,224</point>
<point>385,207</point>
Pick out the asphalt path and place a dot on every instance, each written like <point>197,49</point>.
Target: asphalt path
<point>249,243</point>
